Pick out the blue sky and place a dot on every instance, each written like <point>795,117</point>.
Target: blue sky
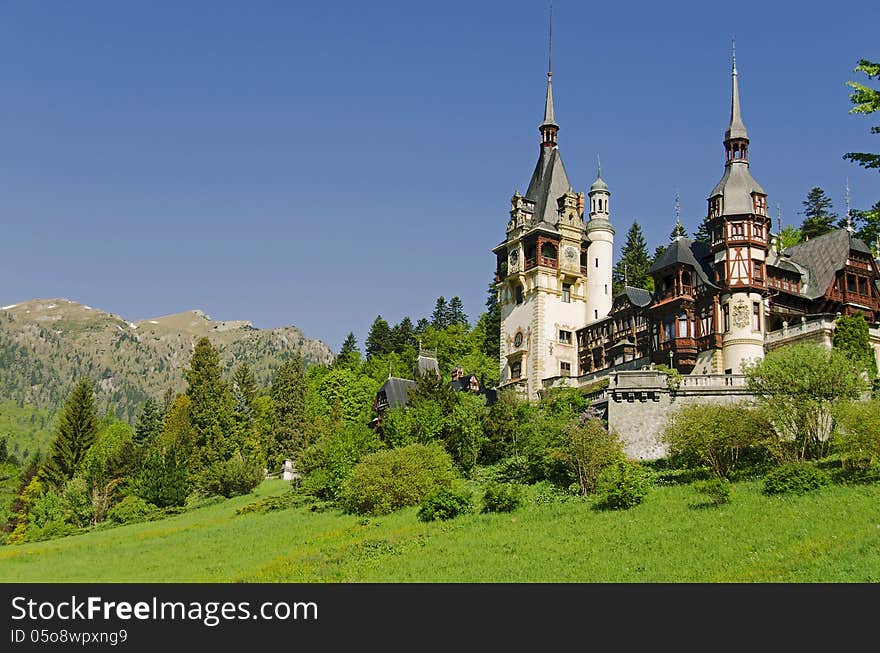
<point>317,164</point>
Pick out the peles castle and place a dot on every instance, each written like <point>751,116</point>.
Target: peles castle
<point>715,306</point>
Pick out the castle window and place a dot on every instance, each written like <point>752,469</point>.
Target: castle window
<point>565,369</point>
<point>606,288</point>
<point>597,262</point>
<point>851,282</point>
<point>565,337</point>
<point>515,370</point>
<point>863,286</point>
<point>519,295</point>
<point>548,251</point>
<point>682,326</point>
<point>756,316</point>
<point>726,310</point>
<point>566,292</point>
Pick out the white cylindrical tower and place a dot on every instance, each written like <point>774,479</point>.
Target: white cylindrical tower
<point>743,340</point>
<point>600,251</point>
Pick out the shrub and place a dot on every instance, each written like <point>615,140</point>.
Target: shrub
<point>388,480</point>
<point>795,478</point>
<point>328,463</point>
<point>622,485</point>
<point>587,447</point>
<point>131,509</point>
<point>716,489</point>
<point>232,477</point>
<point>445,504</point>
<point>78,502</point>
<point>858,438</point>
<point>713,435</point>
<point>502,497</point>
<point>513,470</point>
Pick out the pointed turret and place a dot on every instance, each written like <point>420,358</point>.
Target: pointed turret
<point>549,128</point>
<point>736,129</point>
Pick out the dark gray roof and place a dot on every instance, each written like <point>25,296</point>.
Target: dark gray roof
<point>396,391</point>
<point>636,296</point>
<point>823,256</point>
<point>549,113</point>
<point>426,364</point>
<point>549,183</point>
<point>685,251</point>
<point>736,188</point>
<point>736,129</point>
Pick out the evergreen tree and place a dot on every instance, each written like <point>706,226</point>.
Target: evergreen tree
<point>701,235</point>
<point>211,405</point>
<point>867,225</point>
<point>4,450</point>
<point>866,100</point>
<point>243,382</point>
<point>289,398</point>
<point>149,423</point>
<point>456,314</point>
<point>164,479</point>
<point>492,337</point>
<point>349,355</point>
<point>818,217</point>
<point>421,326</point>
<point>76,432</point>
<point>168,399</point>
<point>379,339</point>
<point>677,230</point>
<point>440,316</point>
<point>632,268</point>
<point>403,335</point>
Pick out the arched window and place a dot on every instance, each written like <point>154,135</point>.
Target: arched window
<point>519,295</point>
<point>515,370</point>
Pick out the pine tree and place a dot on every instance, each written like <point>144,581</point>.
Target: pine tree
<point>149,423</point>
<point>818,217</point>
<point>632,268</point>
<point>349,355</point>
<point>289,398</point>
<point>867,225</point>
<point>379,339</point>
<point>701,235</point>
<point>456,314</point>
<point>211,407</point>
<point>403,335</point>
<point>76,432</point>
<point>243,381</point>
<point>421,326</point>
<point>677,230</point>
<point>440,316</point>
<point>168,399</point>
<point>492,338</point>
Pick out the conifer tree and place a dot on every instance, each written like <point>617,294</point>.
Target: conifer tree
<point>349,355</point>
<point>677,230</point>
<point>421,326</point>
<point>632,268</point>
<point>818,217</point>
<point>211,407</point>
<point>243,382</point>
<point>440,316</point>
<point>76,432</point>
<point>701,235</point>
<point>378,340</point>
<point>289,398</point>
<point>455,312</point>
<point>403,335</point>
<point>149,423</point>
<point>492,338</point>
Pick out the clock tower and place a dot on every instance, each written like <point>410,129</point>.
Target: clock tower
<point>543,270</point>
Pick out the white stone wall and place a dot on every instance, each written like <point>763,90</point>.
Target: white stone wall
<point>599,287</point>
<point>741,343</point>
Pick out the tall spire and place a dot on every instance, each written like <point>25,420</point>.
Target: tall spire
<point>678,231</point>
<point>849,225</point>
<point>736,129</point>
<point>549,127</point>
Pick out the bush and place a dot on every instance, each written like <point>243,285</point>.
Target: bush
<point>388,480</point>
<point>858,438</point>
<point>445,504</point>
<point>713,435</point>
<point>502,497</point>
<point>622,485</point>
<point>795,478</point>
<point>232,477</point>
<point>328,463</point>
<point>716,489</point>
<point>131,509</point>
<point>586,447</point>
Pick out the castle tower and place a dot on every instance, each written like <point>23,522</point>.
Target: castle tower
<point>541,274</point>
<point>739,229</point>
<point>600,234</point>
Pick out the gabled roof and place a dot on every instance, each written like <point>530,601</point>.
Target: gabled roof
<point>823,256</point>
<point>396,391</point>
<point>549,183</point>
<point>637,296</point>
<point>685,251</point>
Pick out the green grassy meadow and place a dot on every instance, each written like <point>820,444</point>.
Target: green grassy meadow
<point>831,535</point>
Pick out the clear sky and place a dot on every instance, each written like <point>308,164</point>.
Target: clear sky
<point>320,163</point>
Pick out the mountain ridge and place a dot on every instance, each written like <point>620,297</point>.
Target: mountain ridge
<point>46,344</point>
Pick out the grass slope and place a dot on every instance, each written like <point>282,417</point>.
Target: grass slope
<point>832,535</point>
